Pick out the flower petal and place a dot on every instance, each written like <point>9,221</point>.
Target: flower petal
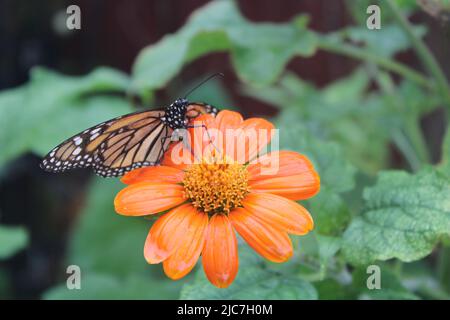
<point>295,177</point>
<point>154,174</point>
<point>273,244</point>
<point>202,133</point>
<point>227,119</point>
<point>182,154</point>
<point>181,262</point>
<point>177,156</point>
<point>145,198</point>
<point>228,123</point>
<point>279,212</point>
<point>220,257</point>
<point>168,233</point>
<point>253,135</point>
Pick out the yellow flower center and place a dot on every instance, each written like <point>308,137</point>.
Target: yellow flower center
<point>216,187</point>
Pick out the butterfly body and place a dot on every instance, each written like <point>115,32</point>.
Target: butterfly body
<point>175,114</point>
<point>124,143</point>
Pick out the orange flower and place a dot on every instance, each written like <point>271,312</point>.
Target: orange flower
<point>220,193</point>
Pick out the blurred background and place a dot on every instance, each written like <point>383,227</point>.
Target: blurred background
<point>52,221</point>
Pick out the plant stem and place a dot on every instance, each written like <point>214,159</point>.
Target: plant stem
<point>402,142</point>
<point>398,268</point>
<point>408,139</point>
<point>423,52</point>
<point>414,133</point>
<point>443,268</point>
<point>386,63</point>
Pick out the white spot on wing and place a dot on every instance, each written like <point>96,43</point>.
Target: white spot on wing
<point>76,151</point>
<point>77,140</point>
<point>94,136</point>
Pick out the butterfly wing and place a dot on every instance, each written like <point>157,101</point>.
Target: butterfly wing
<point>115,146</point>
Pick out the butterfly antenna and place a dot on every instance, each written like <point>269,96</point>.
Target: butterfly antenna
<point>203,82</point>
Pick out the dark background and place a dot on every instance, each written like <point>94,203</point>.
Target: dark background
<point>113,32</point>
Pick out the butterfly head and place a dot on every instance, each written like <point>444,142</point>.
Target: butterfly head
<point>175,115</point>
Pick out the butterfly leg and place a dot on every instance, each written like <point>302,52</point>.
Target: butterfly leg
<point>207,132</point>
<point>179,137</point>
<point>163,150</point>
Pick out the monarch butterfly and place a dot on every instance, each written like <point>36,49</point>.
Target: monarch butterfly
<point>126,142</point>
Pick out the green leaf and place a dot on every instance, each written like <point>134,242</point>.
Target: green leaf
<point>414,100</point>
<point>12,240</point>
<point>387,41</point>
<point>337,175</point>
<point>341,112</point>
<point>259,51</point>
<point>252,282</point>
<point>314,257</point>
<point>358,10</point>
<point>328,247</point>
<point>330,289</point>
<point>108,248</point>
<point>51,107</point>
<point>406,216</point>
<point>422,278</point>
<point>391,287</point>
<point>346,113</point>
<point>105,286</point>
<point>445,162</point>
<point>349,89</point>
<point>105,241</point>
<point>330,212</point>
<point>444,268</point>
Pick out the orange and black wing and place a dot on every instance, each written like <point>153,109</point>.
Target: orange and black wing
<point>115,146</point>
<point>194,110</point>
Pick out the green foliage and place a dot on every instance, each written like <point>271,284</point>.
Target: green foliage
<point>340,112</point>
<point>346,113</point>
<point>406,216</point>
<point>109,287</point>
<point>115,244</point>
<point>348,129</point>
<point>391,286</point>
<point>51,107</point>
<point>108,248</point>
<point>445,164</point>
<point>331,289</point>
<point>387,41</point>
<point>336,173</point>
<point>12,240</point>
<point>358,9</point>
<point>253,281</point>
<point>259,52</point>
